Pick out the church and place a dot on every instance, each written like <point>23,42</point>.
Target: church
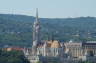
<point>42,48</point>
<point>53,50</point>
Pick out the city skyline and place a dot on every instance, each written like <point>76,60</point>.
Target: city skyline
<point>50,8</point>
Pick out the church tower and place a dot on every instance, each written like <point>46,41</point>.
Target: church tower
<point>36,30</point>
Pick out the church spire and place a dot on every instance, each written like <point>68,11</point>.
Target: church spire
<point>37,14</point>
<point>36,30</point>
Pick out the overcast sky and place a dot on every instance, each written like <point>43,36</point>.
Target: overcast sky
<point>50,8</point>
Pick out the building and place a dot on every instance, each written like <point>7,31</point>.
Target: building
<point>89,47</point>
<point>40,48</point>
<point>74,49</point>
<point>81,51</point>
<point>53,50</point>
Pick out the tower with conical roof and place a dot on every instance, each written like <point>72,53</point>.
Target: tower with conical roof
<point>36,30</point>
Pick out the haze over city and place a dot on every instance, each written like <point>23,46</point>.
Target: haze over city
<point>49,8</point>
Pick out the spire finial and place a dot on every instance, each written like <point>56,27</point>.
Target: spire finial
<point>36,14</point>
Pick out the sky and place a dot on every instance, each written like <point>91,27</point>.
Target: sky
<point>50,8</point>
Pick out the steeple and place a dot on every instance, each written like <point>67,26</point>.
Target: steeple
<point>36,30</point>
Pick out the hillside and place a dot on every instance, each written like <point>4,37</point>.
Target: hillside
<point>17,29</point>
<point>12,57</point>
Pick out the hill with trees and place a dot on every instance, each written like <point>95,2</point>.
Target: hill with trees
<point>17,29</point>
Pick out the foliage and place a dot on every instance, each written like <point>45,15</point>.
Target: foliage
<point>87,62</point>
<point>17,29</point>
<point>12,57</point>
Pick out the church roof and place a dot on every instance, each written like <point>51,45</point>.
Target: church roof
<point>55,44</point>
<point>50,44</point>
